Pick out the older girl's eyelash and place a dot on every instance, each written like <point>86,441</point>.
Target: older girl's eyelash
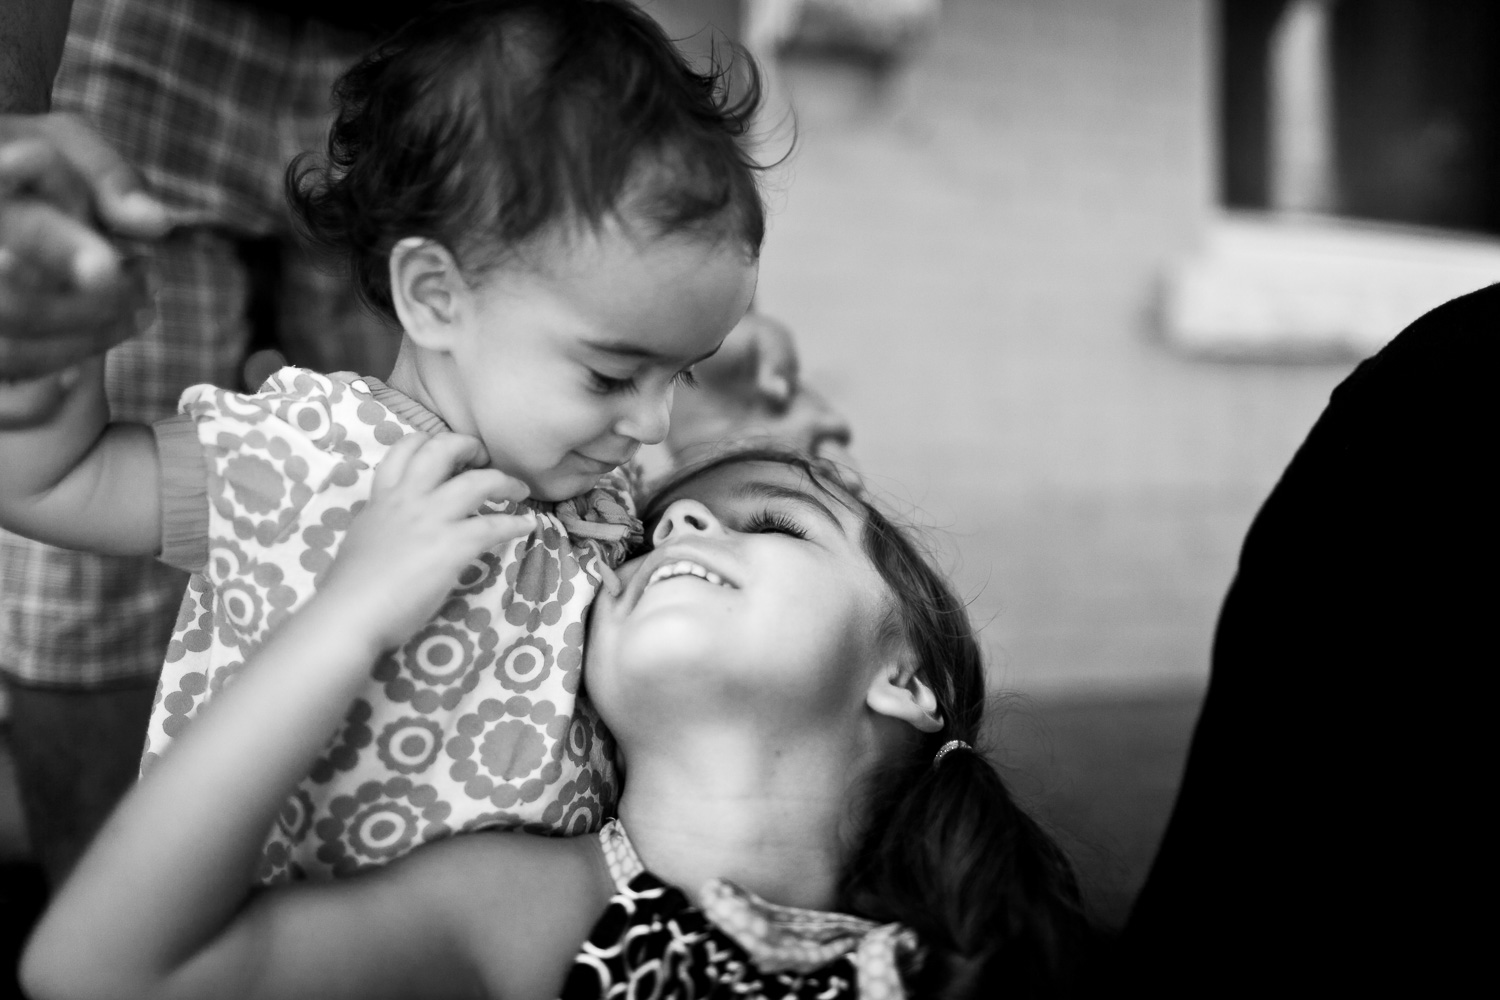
<point>772,522</point>
<point>685,378</point>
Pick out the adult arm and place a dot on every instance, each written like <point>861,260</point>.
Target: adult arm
<point>1329,783</point>
<point>66,292</point>
<point>161,906</point>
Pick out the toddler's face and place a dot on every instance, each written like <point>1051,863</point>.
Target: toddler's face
<point>569,367</point>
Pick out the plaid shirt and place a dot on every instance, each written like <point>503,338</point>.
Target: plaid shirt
<point>209,100</point>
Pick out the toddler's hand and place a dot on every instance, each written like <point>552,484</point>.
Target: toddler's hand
<point>419,528</point>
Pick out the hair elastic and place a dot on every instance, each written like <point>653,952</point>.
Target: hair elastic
<point>947,748</point>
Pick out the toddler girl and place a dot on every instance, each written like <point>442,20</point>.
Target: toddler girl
<point>559,213</point>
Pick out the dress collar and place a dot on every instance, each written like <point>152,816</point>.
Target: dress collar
<point>781,938</point>
<point>398,402</point>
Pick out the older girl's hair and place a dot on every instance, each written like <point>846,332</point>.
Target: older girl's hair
<point>945,849</point>
<point>483,124</point>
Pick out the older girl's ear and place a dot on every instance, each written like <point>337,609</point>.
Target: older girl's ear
<point>897,692</point>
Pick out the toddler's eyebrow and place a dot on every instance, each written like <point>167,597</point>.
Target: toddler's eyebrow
<point>774,491</point>
<point>629,349</point>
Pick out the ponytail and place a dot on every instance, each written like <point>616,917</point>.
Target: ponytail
<point>950,854</point>
<point>946,850</point>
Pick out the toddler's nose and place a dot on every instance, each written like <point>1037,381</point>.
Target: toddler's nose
<point>648,420</point>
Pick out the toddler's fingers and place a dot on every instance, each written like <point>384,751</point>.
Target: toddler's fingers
<point>442,456</point>
<point>486,531</point>
<point>467,492</point>
<point>392,467</point>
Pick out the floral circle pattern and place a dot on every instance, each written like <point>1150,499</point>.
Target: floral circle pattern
<point>380,821</point>
<point>474,722</point>
<point>242,605</point>
<point>296,816</point>
<point>439,655</point>
<point>526,664</point>
<point>344,751</point>
<point>409,744</point>
<point>481,573</point>
<point>541,582</point>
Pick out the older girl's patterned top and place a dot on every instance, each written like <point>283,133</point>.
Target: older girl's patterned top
<point>476,721</point>
<point>652,942</point>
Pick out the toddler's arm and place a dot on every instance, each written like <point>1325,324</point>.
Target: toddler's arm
<point>72,479</point>
<point>68,476</point>
<point>158,905</point>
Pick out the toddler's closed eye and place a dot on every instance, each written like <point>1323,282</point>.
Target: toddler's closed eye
<point>607,385</point>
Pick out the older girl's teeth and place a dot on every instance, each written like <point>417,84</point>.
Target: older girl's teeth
<point>684,568</point>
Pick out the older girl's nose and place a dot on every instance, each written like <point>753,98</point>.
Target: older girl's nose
<point>684,517</point>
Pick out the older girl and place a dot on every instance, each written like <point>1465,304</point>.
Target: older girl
<point>795,694</point>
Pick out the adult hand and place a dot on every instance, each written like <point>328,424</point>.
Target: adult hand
<point>757,363</point>
<point>66,292</point>
<point>750,393</point>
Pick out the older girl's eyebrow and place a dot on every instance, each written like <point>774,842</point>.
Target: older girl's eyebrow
<point>775,491</point>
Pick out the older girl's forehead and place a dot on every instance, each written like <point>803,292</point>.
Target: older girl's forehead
<point>736,485</point>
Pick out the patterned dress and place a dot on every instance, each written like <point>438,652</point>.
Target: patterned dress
<point>653,942</point>
<point>475,722</point>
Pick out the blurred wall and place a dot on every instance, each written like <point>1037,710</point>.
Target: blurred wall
<point>970,253</point>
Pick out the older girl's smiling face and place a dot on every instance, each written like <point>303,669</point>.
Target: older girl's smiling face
<point>756,593</point>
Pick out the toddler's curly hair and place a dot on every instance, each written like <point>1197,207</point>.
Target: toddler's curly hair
<point>484,124</point>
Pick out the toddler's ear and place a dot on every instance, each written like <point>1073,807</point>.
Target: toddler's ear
<point>425,287</point>
<point>896,691</point>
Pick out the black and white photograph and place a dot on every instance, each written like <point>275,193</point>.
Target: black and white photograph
<point>675,499</point>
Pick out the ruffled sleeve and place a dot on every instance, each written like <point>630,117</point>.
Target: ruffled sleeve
<point>184,493</point>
